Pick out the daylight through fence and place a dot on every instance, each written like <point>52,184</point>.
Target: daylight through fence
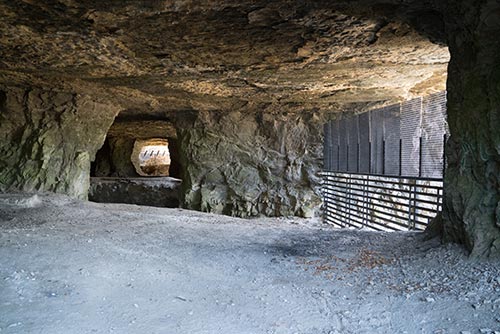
<point>384,168</point>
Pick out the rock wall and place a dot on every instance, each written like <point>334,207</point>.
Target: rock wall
<point>472,184</point>
<point>245,163</point>
<point>48,139</point>
<point>114,158</point>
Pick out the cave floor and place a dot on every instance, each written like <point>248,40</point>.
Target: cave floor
<point>78,267</point>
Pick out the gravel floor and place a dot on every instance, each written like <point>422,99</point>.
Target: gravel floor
<point>78,267</point>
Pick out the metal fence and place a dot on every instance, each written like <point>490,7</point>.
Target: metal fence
<point>384,168</point>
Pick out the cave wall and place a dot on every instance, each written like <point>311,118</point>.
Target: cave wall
<point>48,139</point>
<point>247,163</point>
<point>472,183</point>
<point>114,158</point>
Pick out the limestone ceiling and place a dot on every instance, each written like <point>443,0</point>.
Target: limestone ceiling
<point>218,54</point>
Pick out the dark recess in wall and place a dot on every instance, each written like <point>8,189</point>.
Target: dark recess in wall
<point>175,167</point>
<point>3,100</point>
<point>102,160</point>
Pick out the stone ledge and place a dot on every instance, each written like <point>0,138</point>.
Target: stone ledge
<point>151,191</point>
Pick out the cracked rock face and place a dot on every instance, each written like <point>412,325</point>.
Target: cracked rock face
<point>154,56</point>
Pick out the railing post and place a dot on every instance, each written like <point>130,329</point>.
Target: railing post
<point>383,157</point>
<point>445,138</point>
<point>400,157</point>
<point>420,156</point>
<point>410,191</point>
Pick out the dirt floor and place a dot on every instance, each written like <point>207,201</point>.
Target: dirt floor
<point>77,267</point>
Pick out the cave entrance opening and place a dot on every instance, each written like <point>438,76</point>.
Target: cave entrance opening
<point>384,169</point>
<point>151,157</point>
<point>133,168</point>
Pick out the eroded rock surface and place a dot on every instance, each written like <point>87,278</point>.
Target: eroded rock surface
<point>246,164</point>
<point>472,185</point>
<point>48,139</point>
<point>158,56</point>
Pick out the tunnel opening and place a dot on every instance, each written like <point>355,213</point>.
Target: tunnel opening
<point>151,157</point>
<point>134,168</point>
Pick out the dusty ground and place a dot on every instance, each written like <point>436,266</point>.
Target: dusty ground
<point>75,267</point>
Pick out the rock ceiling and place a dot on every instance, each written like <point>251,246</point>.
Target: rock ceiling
<point>160,56</point>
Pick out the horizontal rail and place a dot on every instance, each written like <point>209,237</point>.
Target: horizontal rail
<point>324,173</point>
<point>417,207</point>
<point>366,183</point>
<point>388,207</point>
<point>399,223</point>
<point>387,194</point>
<point>400,182</point>
<point>380,202</point>
<point>383,212</point>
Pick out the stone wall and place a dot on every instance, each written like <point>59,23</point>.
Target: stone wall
<point>245,163</point>
<point>48,139</point>
<point>472,184</point>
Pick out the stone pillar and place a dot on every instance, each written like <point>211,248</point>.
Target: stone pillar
<point>472,183</point>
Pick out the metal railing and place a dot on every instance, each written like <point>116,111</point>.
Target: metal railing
<point>379,202</point>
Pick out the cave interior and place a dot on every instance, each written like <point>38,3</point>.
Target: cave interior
<point>241,91</point>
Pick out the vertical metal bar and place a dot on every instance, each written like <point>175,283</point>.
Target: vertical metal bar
<point>409,204</point>
<point>338,158</point>
<point>445,139</point>
<point>347,158</point>
<point>383,157</point>
<point>369,157</point>
<point>325,200</point>
<point>439,202</point>
<point>367,200</point>
<point>357,159</point>
<point>400,157</point>
<point>420,156</point>
<point>348,198</point>
<point>414,209</point>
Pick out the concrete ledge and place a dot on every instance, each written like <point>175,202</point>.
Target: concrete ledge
<point>150,191</point>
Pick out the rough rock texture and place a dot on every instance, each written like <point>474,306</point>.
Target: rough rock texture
<point>143,129</point>
<point>159,56</point>
<point>472,185</point>
<point>48,139</point>
<point>114,158</point>
<point>250,163</point>
<point>158,191</point>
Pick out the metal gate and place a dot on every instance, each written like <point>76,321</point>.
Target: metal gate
<point>384,168</point>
